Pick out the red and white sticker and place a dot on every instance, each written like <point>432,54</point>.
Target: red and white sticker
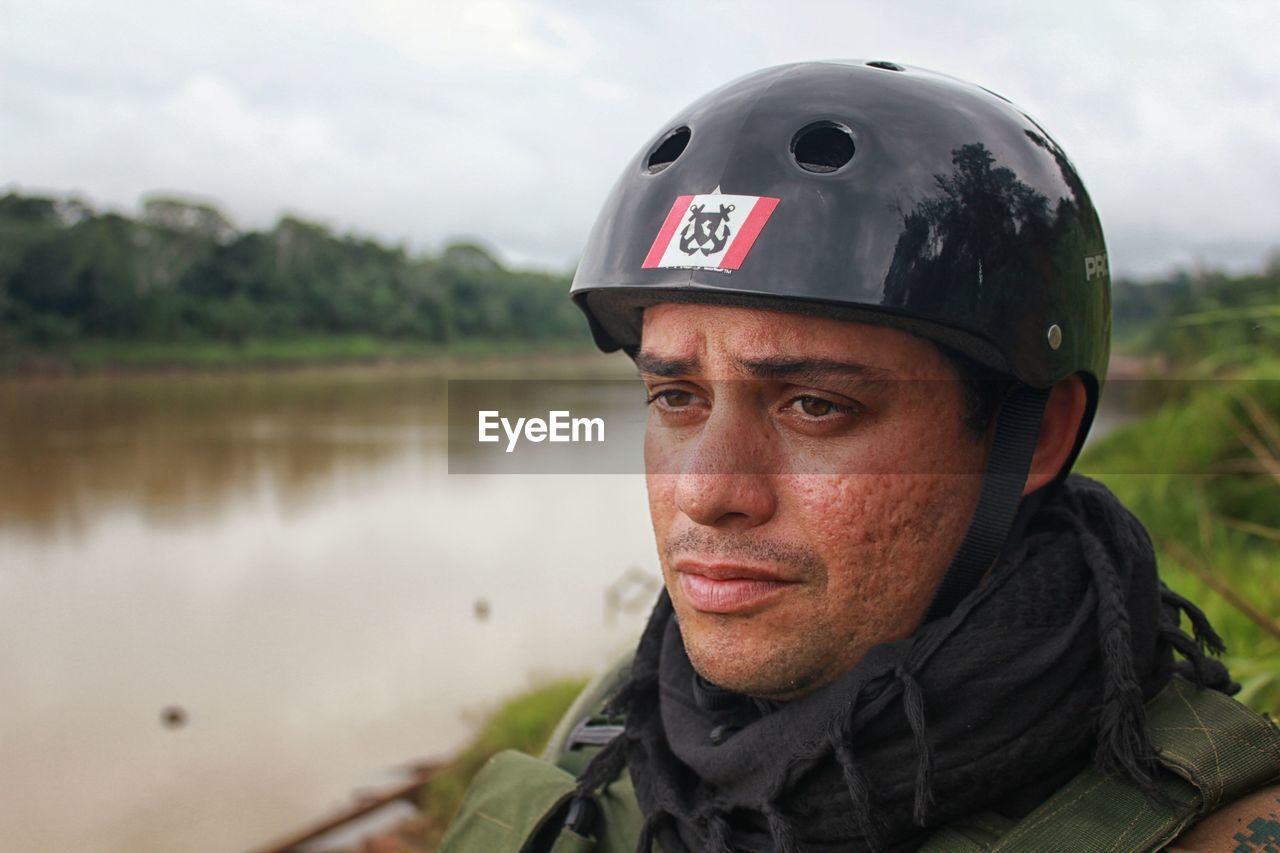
<point>712,231</point>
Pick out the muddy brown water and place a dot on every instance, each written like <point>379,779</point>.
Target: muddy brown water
<point>227,601</point>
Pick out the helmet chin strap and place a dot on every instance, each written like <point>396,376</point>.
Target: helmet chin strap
<point>1014,443</point>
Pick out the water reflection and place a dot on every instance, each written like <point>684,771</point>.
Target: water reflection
<point>181,448</point>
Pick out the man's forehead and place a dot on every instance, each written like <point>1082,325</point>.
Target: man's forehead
<point>694,336</point>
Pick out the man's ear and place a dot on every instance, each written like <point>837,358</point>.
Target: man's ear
<point>1062,416</point>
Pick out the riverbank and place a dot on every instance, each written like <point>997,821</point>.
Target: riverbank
<point>104,358</point>
<point>524,722</point>
<point>144,357</point>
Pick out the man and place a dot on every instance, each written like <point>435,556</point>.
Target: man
<point>870,306</point>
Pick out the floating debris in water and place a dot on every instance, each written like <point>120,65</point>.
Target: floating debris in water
<point>632,592</point>
<point>174,717</point>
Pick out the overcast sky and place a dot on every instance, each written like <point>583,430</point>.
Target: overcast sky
<point>508,120</point>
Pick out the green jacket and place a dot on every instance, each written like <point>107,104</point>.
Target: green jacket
<point>1215,751</point>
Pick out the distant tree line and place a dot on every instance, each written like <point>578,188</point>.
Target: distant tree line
<point>182,272</point>
<point>1209,316</point>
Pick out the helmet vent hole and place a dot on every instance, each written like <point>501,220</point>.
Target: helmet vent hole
<point>887,66</point>
<point>822,147</point>
<point>670,148</point>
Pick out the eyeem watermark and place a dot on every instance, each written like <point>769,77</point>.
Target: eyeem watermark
<point>546,426</point>
<point>558,426</point>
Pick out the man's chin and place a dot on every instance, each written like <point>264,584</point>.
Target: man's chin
<point>745,667</point>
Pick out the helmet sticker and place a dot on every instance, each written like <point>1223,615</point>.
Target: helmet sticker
<point>712,231</point>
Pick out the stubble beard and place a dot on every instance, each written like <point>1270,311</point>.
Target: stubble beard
<point>784,665</point>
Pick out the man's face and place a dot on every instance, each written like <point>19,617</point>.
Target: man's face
<point>807,489</point>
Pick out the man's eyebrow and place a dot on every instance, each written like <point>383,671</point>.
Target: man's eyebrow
<point>800,368</point>
<point>656,365</point>
<point>765,368</point>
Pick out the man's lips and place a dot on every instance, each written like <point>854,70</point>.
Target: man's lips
<point>715,587</point>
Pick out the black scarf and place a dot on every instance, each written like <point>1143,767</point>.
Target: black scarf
<point>1042,669</point>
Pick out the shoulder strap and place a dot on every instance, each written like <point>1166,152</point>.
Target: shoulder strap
<point>510,801</point>
<point>585,727</point>
<point>1214,750</point>
<point>517,804</point>
<point>1214,742</point>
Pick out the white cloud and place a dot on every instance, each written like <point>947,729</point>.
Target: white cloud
<point>509,119</point>
<point>500,34</point>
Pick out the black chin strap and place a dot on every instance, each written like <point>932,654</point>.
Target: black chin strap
<point>1017,430</point>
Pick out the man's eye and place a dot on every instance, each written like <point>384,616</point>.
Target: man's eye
<point>672,398</point>
<point>817,407</point>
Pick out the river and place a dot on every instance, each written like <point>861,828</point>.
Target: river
<point>228,600</point>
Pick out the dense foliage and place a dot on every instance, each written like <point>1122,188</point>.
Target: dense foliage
<point>1202,323</point>
<point>1202,468</point>
<point>182,273</point>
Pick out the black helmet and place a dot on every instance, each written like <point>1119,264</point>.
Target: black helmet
<point>864,190</point>
<point>873,192</point>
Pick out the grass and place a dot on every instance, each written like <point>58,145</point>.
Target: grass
<point>1203,474</point>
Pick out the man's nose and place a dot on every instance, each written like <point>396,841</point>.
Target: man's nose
<point>724,478</point>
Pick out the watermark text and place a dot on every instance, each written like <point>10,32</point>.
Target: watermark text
<point>559,426</point>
